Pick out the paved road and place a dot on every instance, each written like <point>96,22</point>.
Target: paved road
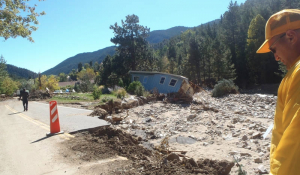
<point>71,119</point>
<point>24,147</point>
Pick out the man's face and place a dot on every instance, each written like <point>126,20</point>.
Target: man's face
<point>280,47</point>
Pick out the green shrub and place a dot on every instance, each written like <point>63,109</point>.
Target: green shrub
<point>97,93</point>
<point>120,93</point>
<point>120,83</point>
<point>106,99</point>
<point>146,94</point>
<point>224,87</point>
<point>133,86</point>
<point>139,91</point>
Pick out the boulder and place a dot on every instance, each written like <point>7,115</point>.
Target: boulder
<point>258,160</point>
<point>191,117</point>
<point>262,170</point>
<point>130,104</point>
<point>117,103</point>
<point>99,112</point>
<point>193,162</point>
<point>256,135</point>
<point>172,157</point>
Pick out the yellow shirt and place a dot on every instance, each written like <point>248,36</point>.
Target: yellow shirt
<point>285,144</point>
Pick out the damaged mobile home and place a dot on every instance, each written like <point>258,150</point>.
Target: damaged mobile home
<point>165,83</point>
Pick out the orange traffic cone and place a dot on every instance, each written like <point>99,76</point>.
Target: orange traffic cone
<point>54,119</point>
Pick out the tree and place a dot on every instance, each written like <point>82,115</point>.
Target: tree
<point>86,73</point>
<point>195,60</point>
<point>79,67</point>
<point>50,82</point>
<point>86,65</point>
<point>73,75</point>
<point>130,40</point>
<point>261,66</point>
<point>9,86</point>
<point>18,19</point>
<point>62,77</point>
<point>3,71</point>
<point>96,67</point>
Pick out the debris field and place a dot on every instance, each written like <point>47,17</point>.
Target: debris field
<point>205,136</point>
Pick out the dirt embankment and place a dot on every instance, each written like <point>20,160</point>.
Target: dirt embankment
<point>106,142</point>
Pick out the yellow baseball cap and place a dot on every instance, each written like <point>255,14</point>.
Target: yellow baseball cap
<point>280,22</point>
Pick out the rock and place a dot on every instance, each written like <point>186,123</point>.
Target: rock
<point>99,112</point>
<point>262,170</point>
<point>130,104</point>
<point>205,143</point>
<point>135,126</point>
<point>235,120</point>
<point>230,126</point>
<point>214,122</point>
<point>262,129</point>
<point>109,118</point>
<point>258,160</point>
<point>228,137</point>
<point>191,117</point>
<point>246,154</point>
<point>140,139</point>
<point>252,126</point>
<point>117,103</point>
<point>2,95</point>
<point>124,126</point>
<point>256,135</point>
<point>244,138</point>
<point>148,119</point>
<point>193,162</point>
<point>172,157</point>
<point>233,152</point>
<point>235,134</point>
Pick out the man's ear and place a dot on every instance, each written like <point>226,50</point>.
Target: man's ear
<point>292,36</point>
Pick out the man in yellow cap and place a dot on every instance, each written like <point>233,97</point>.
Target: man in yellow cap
<point>283,40</point>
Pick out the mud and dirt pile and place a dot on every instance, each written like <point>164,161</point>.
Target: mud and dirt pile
<point>106,142</point>
<point>3,97</point>
<point>40,95</point>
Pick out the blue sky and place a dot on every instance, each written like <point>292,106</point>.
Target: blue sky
<point>71,27</point>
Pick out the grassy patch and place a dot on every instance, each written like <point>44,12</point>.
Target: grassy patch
<point>79,97</point>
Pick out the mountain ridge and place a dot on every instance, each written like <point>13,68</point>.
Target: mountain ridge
<point>70,63</point>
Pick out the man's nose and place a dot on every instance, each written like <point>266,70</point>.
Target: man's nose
<point>277,58</point>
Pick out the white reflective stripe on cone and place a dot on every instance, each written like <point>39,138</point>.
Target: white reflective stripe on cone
<point>53,110</point>
<point>51,104</point>
<point>54,119</point>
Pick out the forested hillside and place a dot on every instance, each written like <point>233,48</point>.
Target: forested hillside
<point>158,36</point>
<point>17,72</point>
<point>71,63</point>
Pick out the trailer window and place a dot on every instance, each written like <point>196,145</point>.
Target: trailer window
<point>162,80</point>
<point>173,82</point>
<point>145,80</point>
<point>135,78</point>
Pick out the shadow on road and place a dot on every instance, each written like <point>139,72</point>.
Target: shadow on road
<point>15,113</point>
<point>46,137</point>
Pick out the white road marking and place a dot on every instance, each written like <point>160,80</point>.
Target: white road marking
<point>65,107</point>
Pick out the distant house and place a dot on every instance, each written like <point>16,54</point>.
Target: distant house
<point>70,83</point>
<point>67,83</point>
<point>165,83</point>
